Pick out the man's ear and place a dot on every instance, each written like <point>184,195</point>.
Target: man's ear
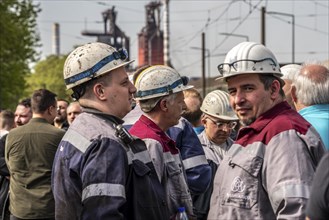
<point>163,105</point>
<point>293,94</point>
<point>275,89</point>
<point>99,92</point>
<point>52,110</point>
<point>204,121</point>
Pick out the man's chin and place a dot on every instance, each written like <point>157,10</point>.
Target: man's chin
<point>247,121</point>
<point>58,120</point>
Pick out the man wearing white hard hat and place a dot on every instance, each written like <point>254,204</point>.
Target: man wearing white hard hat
<point>219,121</point>
<point>100,171</point>
<point>268,171</point>
<point>160,96</point>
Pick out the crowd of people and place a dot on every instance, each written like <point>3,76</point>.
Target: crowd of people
<point>146,146</point>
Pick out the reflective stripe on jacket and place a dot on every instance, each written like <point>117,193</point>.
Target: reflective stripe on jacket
<point>197,169</point>
<point>167,162</point>
<point>201,202</point>
<point>268,171</point>
<point>94,174</point>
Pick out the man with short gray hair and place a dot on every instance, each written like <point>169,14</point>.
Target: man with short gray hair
<point>289,71</point>
<point>310,93</point>
<point>160,96</point>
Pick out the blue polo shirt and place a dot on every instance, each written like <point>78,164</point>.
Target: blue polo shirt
<point>318,116</point>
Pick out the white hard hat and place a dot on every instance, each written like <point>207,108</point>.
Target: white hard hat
<point>216,104</point>
<point>290,70</point>
<point>159,80</point>
<point>249,57</point>
<point>92,60</point>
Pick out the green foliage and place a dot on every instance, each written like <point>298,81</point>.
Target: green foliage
<point>48,74</point>
<point>18,42</point>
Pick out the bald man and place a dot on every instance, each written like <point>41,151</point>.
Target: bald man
<point>311,97</point>
<point>72,111</point>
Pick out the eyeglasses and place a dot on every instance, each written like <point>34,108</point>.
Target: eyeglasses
<point>247,65</point>
<point>229,125</point>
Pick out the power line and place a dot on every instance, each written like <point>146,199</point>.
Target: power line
<point>236,27</point>
<point>210,23</point>
<point>317,3</point>
<point>301,26</point>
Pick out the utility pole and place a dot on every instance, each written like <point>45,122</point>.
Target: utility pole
<point>262,26</point>
<point>208,56</point>
<point>166,55</point>
<point>203,64</point>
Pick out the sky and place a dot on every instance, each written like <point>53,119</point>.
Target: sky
<point>188,19</point>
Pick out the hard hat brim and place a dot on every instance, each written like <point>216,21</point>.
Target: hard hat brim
<point>223,117</point>
<point>182,88</point>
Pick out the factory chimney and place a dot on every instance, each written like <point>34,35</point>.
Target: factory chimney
<point>55,40</point>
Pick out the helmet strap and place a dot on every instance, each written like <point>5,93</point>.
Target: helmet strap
<point>78,92</point>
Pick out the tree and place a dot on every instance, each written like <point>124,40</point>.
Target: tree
<point>48,74</point>
<point>18,42</point>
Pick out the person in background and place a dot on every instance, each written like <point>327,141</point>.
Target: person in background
<point>100,171</point>
<point>23,115</point>
<point>219,120</point>
<point>311,97</point>
<point>60,120</point>
<point>160,96</point>
<point>29,152</point>
<point>196,167</point>
<point>289,72</point>
<point>7,121</point>
<point>23,112</point>
<point>318,204</point>
<point>72,111</point>
<point>268,171</point>
<point>193,101</point>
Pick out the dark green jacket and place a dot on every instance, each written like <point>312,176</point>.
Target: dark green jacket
<point>29,152</point>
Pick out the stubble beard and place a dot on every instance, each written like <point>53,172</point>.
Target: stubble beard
<point>248,121</point>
